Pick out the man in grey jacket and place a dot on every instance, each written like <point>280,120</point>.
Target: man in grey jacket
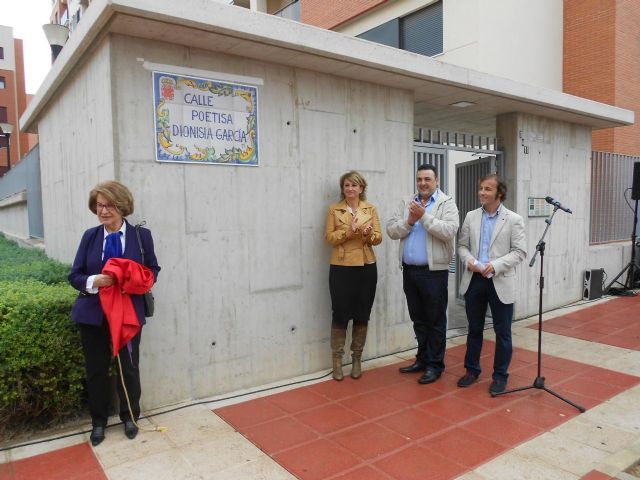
<point>492,242</point>
<point>426,225</point>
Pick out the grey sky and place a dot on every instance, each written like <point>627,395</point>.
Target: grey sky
<point>27,17</point>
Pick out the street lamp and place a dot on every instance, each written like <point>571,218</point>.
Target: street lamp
<point>7,128</point>
<point>57,36</point>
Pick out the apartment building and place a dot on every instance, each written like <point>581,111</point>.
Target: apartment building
<point>68,12</point>
<point>13,101</point>
<point>587,48</point>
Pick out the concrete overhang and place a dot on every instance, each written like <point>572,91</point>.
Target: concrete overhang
<point>233,30</point>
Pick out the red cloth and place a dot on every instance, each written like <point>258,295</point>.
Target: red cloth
<point>131,278</point>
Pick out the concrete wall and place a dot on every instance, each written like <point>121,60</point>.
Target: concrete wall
<point>613,257</point>
<point>243,295</point>
<point>516,39</point>
<point>13,215</point>
<point>76,151</point>
<point>24,177</point>
<point>557,164</point>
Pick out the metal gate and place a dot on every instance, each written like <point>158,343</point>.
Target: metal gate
<point>436,156</point>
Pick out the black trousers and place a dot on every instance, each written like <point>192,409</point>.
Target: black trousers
<point>353,290</point>
<point>96,344</point>
<point>427,298</point>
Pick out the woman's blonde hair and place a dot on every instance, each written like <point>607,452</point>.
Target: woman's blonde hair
<point>116,193</point>
<point>358,179</point>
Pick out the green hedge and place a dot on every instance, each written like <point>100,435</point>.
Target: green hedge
<point>18,263</point>
<point>41,363</point>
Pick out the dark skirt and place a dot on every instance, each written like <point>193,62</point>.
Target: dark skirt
<point>353,290</point>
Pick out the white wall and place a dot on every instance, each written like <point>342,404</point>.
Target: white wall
<point>516,39</point>
<point>244,261</point>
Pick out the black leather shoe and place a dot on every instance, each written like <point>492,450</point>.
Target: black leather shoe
<point>97,435</point>
<point>467,379</point>
<point>130,429</point>
<point>429,377</point>
<point>497,386</point>
<point>416,367</point>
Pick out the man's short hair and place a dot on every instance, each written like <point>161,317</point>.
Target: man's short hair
<point>502,187</point>
<point>428,166</point>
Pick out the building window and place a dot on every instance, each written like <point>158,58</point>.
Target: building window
<point>387,34</point>
<point>64,19</point>
<point>3,115</point>
<point>2,83</point>
<point>421,31</point>
<point>1,53</point>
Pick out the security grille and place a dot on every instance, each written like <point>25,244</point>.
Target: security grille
<point>611,218</point>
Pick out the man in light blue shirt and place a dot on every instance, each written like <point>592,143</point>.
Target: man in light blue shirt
<point>426,225</point>
<point>487,226</point>
<point>491,243</point>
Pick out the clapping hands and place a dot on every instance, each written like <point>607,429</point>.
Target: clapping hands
<point>416,211</point>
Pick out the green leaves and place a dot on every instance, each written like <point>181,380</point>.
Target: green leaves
<point>29,263</point>
<point>41,362</point>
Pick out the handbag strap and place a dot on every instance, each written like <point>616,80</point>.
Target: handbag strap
<point>137,227</point>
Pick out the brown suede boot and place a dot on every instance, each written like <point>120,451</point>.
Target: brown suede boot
<point>338,336</point>
<point>359,336</point>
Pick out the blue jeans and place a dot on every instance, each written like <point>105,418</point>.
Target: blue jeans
<point>481,293</point>
<point>427,296</point>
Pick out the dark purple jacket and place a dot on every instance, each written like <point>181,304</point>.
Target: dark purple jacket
<point>88,261</point>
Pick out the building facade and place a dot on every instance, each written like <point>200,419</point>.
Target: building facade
<point>13,100</point>
<point>587,48</point>
<point>602,62</point>
<point>243,298</point>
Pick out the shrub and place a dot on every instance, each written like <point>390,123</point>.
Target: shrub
<point>17,263</point>
<point>41,362</point>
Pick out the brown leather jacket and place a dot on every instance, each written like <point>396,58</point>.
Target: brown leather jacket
<point>351,248</point>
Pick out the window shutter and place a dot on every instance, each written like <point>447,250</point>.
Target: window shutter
<point>421,31</point>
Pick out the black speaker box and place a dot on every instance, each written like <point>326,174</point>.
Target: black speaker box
<point>635,188</point>
<point>592,284</point>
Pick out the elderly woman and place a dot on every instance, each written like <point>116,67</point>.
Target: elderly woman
<point>352,227</point>
<point>114,238</point>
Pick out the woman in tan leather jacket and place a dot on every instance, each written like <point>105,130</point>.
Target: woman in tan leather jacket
<point>353,227</point>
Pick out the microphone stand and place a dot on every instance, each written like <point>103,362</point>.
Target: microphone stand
<point>539,380</point>
<point>631,267</point>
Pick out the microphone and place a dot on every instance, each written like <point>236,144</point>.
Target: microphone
<point>557,204</point>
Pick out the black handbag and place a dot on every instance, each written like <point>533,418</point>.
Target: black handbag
<point>149,302</point>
